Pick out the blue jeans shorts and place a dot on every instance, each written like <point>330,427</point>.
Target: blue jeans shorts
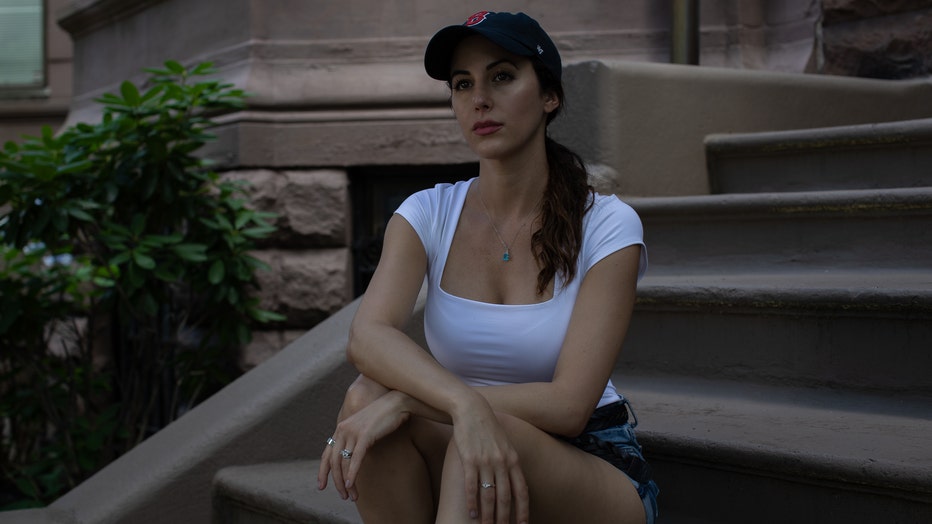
<point>610,436</point>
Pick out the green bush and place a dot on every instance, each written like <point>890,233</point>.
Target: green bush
<point>126,280</point>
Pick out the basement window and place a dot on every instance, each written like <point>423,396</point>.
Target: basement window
<point>376,192</point>
<point>22,45</point>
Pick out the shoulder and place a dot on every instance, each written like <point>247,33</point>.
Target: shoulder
<point>441,196</point>
<point>609,210</point>
<point>611,225</point>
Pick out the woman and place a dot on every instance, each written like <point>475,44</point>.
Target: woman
<point>531,284</point>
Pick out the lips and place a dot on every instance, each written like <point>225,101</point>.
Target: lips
<point>486,127</point>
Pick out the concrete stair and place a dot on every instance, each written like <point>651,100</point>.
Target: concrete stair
<point>888,154</point>
<point>781,349</point>
<point>284,492</point>
<point>780,356</point>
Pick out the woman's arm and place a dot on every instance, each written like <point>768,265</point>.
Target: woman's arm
<point>378,346</point>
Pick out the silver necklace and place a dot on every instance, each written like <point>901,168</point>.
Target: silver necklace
<point>506,256</point>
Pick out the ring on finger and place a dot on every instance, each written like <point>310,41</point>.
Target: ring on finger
<point>330,441</point>
<point>487,485</point>
<point>347,454</point>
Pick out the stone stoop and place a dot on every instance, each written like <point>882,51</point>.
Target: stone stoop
<point>738,452</point>
<point>284,493</point>
<point>278,493</point>
<point>887,154</point>
<point>779,355</point>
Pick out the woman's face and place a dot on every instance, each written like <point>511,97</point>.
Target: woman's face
<point>497,99</point>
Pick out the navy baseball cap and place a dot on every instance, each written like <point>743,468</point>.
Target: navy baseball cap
<point>515,32</point>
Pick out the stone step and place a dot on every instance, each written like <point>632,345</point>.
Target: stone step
<point>862,330</point>
<point>881,155</point>
<point>882,228</point>
<point>722,451</point>
<point>284,492</point>
<point>734,452</point>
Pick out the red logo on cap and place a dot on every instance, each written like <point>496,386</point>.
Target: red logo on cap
<point>476,18</point>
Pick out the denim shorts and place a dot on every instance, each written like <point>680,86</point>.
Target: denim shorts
<point>610,436</point>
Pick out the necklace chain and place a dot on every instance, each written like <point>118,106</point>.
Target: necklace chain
<point>506,256</point>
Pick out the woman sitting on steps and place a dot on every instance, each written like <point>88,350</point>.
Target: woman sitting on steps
<point>511,416</point>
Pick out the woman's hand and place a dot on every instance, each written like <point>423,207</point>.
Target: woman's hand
<point>354,435</point>
<point>493,477</point>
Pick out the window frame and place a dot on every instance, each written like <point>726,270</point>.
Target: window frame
<point>40,88</point>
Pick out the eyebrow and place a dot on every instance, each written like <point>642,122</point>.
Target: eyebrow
<point>487,68</point>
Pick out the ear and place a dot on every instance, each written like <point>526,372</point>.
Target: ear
<point>551,102</point>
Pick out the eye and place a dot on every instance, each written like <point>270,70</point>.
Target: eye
<point>461,84</point>
<point>502,76</point>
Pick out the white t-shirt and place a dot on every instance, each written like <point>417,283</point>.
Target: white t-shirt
<point>494,344</point>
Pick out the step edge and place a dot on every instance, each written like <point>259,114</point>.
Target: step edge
<point>892,479</point>
<point>906,133</point>
<point>802,204</point>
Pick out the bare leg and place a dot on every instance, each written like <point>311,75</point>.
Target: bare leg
<point>401,472</point>
<point>565,484</point>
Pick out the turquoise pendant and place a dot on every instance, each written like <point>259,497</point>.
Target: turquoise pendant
<point>506,257</point>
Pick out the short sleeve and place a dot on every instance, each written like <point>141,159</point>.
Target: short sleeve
<point>609,226</point>
<point>417,210</point>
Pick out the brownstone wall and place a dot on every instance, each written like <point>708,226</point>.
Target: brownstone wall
<point>889,39</point>
<point>310,256</point>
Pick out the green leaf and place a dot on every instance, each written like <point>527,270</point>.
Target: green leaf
<point>174,67</point>
<point>264,316</point>
<point>130,93</point>
<point>258,232</point>
<point>143,261</point>
<point>104,282</point>
<point>256,263</point>
<point>138,224</point>
<point>203,68</point>
<point>216,273</point>
<point>167,274</point>
<point>120,258</point>
<point>153,92</point>
<point>191,252</point>
<point>27,488</point>
<point>80,215</point>
<point>75,167</point>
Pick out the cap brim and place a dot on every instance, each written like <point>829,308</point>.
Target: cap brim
<point>440,49</point>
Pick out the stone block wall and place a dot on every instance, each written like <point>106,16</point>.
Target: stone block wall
<point>868,38</point>
<point>310,275</point>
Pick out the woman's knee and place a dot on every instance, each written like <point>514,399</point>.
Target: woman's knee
<point>362,392</point>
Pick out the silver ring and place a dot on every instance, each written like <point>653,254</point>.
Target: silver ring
<point>487,485</point>
<point>347,454</point>
<point>330,441</point>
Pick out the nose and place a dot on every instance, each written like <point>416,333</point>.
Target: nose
<point>481,100</point>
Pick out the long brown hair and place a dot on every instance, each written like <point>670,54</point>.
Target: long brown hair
<point>567,198</point>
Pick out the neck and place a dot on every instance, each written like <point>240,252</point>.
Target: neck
<point>512,189</point>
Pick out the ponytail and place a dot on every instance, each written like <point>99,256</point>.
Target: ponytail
<point>567,198</point>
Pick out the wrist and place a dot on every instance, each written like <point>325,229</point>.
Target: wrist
<point>401,401</point>
<point>470,404</point>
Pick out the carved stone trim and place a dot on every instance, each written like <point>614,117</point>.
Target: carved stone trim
<point>85,16</point>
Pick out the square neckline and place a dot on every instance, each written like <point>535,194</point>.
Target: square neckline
<point>449,245</point>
